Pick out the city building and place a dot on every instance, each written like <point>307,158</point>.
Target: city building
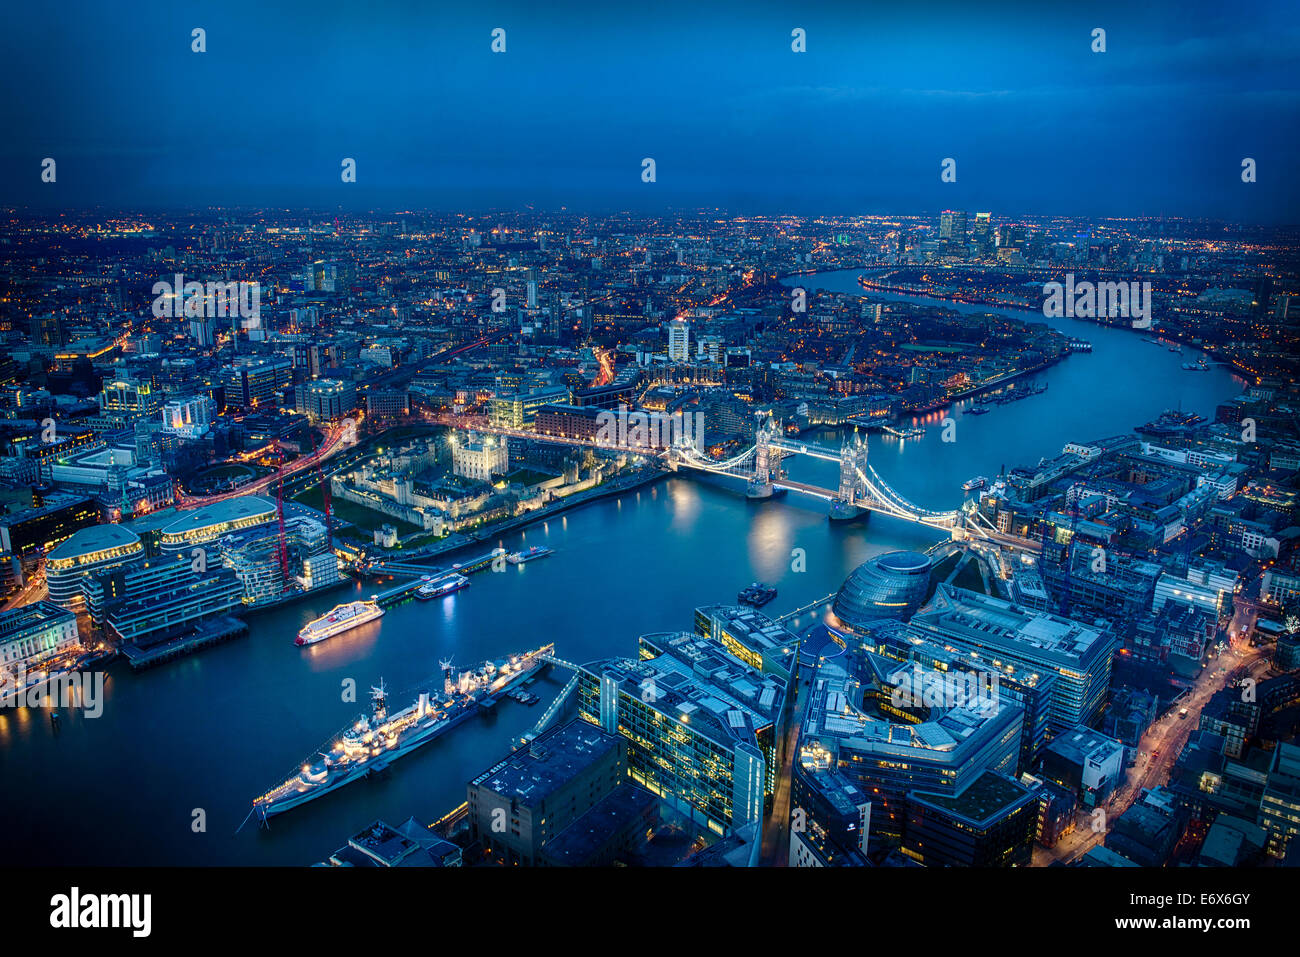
<point>207,524</point>
<point>679,341</point>
<point>1086,761</point>
<point>325,400</point>
<point>878,723</point>
<point>893,585</point>
<point>256,382</point>
<point>86,553</point>
<point>34,634</point>
<point>751,636</point>
<point>993,823</point>
<point>1079,656</point>
<point>189,417</point>
<point>518,411</point>
<point>480,458</point>
<point>525,808</point>
<point>1279,808</point>
<point>703,728</point>
<point>32,531</point>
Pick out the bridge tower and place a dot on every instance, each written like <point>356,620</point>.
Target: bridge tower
<point>849,502</point>
<point>765,460</point>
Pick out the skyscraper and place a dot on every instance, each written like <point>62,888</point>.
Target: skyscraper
<point>679,340</point>
<point>952,232</point>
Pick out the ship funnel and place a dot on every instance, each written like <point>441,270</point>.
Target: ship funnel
<point>423,707</point>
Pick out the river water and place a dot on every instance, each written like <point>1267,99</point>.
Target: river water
<point>211,731</point>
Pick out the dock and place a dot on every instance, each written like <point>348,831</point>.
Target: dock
<point>211,633</point>
<point>418,573</point>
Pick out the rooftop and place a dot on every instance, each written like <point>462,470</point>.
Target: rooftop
<point>988,797</point>
<point>991,621</point>
<point>96,538</point>
<point>221,513</point>
<point>551,761</point>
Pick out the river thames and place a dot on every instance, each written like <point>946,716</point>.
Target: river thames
<point>213,730</point>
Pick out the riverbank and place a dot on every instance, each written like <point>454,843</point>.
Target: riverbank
<point>473,539</point>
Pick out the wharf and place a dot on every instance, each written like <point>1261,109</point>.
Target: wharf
<point>210,633</point>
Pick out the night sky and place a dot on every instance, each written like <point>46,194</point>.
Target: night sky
<point>1038,123</point>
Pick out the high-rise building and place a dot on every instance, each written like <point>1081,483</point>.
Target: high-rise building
<point>679,341</point>
<point>702,727</point>
<point>952,232</point>
<point>254,382</point>
<point>982,234</point>
<point>1079,655</point>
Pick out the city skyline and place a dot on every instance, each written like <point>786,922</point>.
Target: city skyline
<point>602,440</point>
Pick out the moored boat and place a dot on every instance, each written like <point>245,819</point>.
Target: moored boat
<point>341,619</point>
<point>439,587</point>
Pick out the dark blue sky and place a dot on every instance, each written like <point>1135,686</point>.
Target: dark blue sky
<point>1157,125</point>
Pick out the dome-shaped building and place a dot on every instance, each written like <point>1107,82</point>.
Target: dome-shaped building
<point>892,585</point>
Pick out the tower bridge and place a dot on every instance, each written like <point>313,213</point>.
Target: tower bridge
<point>860,490</point>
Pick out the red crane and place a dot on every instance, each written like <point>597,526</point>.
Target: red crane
<point>329,516</point>
<point>279,516</point>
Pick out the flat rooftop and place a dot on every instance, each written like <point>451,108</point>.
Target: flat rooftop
<point>550,762</point>
<point>749,626</point>
<point>993,622</point>
<point>986,799</point>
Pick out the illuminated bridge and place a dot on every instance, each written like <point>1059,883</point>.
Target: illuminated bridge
<point>860,489</point>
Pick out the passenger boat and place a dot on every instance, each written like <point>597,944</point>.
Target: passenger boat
<point>341,619</point>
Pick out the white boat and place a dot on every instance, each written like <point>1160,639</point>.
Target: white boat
<point>537,551</point>
<point>971,485</point>
<point>441,586</point>
<point>341,619</point>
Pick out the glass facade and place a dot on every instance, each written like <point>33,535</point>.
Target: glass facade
<point>893,585</point>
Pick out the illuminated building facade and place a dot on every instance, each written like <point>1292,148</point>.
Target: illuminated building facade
<point>703,727</point>
<point>88,552</point>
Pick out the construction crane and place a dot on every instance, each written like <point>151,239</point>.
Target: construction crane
<point>279,517</point>
<point>329,514</point>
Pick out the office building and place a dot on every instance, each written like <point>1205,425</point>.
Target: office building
<point>35,530</point>
<point>209,523</point>
<point>876,721</point>
<point>1279,809</point>
<point>679,341</point>
<point>256,382</point>
<point>519,410</point>
<point>703,727</point>
<point>1079,655</point>
<point>893,585</point>
<point>325,400</point>
<point>190,417</point>
<point>86,553</point>
<point>566,800</point>
<point>992,823</point>
<point>1086,761</point>
<point>751,636</point>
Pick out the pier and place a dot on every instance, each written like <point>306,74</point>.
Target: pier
<point>425,574</point>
